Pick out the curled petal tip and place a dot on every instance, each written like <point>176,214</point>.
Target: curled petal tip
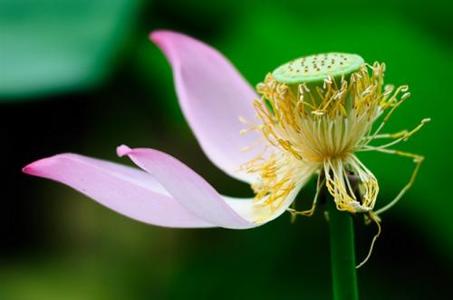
<point>122,150</point>
<point>156,35</point>
<point>28,169</point>
<point>35,167</point>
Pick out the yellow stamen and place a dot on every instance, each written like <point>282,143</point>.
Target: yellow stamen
<point>316,126</point>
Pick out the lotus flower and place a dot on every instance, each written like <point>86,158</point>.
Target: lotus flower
<point>275,141</point>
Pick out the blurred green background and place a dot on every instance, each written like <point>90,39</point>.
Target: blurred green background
<point>81,76</point>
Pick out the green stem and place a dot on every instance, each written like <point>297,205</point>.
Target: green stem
<point>344,276</point>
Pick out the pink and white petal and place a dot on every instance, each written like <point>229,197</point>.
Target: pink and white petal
<point>198,196</point>
<point>243,207</point>
<point>213,95</point>
<point>248,210</point>
<point>126,190</point>
<point>260,215</point>
<point>190,189</point>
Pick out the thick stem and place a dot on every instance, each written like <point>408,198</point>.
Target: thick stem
<point>344,276</point>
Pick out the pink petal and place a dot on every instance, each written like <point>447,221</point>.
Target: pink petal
<point>213,95</point>
<point>129,191</point>
<point>188,188</point>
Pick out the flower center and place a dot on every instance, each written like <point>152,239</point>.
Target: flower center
<point>322,113</point>
<point>315,113</point>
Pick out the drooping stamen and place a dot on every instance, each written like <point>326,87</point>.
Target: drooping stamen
<point>308,213</point>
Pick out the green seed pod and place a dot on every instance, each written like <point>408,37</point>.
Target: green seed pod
<point>311,72</point>
<point>314,69</point>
